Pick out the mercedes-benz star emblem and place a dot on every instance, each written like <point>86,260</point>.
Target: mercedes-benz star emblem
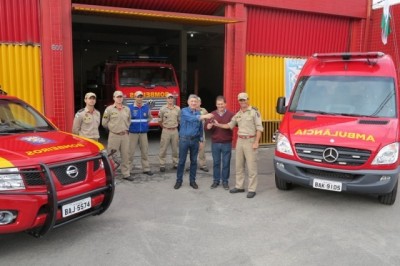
<point>330,155</point>
<point>72,171</point>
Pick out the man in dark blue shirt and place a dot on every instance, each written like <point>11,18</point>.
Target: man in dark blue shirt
<point>190,135</point>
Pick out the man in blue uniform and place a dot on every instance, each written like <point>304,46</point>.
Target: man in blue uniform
<point>140,118</point>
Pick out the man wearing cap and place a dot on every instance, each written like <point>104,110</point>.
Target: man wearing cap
<point>87,120</point>
<point>169,120</point>
<point>248,119</point>
<point>190,135</point>
<point>116,119</point>
<point>140,118</point>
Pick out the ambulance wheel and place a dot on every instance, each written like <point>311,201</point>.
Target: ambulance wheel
<point>282,184</point>
<point>389,198</point>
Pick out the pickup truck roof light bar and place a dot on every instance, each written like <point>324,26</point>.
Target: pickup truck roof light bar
<point>143,58</point>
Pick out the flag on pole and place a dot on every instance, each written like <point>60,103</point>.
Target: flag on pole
<point>385,22</point>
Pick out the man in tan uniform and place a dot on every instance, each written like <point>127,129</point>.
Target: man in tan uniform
<point>116,119</point>
<point>248,119</point>
<point>202,156</point>
<point>169,116</point>
<point>87,120</point>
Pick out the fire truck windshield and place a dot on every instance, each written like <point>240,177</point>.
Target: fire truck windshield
<point>146,76</point>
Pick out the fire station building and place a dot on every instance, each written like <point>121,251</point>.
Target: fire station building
<point>51,50</point>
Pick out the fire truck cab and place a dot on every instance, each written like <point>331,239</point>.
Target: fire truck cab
<point>340,130</point>
<point>151,75</point>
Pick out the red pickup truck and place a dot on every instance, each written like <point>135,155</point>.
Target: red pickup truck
<point>48,178</point>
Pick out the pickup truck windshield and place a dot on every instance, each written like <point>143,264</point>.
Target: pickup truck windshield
<point>346,95</point>
<point>16,117</point>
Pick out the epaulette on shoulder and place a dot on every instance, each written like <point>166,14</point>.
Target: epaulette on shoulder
<point>81,110</point>
<point>254,108</point>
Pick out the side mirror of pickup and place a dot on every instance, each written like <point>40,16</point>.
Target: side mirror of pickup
<point>280,105</point>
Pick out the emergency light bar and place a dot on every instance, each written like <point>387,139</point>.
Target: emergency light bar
<point>141,58</point>
<point>348,56</point>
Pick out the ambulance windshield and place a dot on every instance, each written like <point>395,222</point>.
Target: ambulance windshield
<point>346,95</point>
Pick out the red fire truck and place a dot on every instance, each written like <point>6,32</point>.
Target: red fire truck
<point>151,75</point>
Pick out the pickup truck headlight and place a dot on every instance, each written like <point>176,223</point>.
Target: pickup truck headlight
<point>10,180</point>
<point>283,144</point>
<point>387,155</point>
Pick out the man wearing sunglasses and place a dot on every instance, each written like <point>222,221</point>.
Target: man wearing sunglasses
<point>248,119</point>
<point>140,118</point>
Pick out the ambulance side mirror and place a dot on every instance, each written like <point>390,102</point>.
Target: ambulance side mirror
<point>280,105</point>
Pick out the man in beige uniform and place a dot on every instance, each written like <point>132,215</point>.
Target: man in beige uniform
<point>87,120</point>
<point>202,156</point>
<point>248,119</point>
<point>169,116</point>
<point>116,119</point>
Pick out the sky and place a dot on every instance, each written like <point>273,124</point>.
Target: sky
<point>379,3</point>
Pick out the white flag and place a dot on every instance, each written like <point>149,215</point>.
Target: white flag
<point>385,22</point>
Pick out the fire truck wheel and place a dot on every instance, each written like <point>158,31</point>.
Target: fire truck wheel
<point>389,198</point>
<point>282,184</point>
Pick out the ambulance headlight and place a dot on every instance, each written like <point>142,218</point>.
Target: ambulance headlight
<point>10,179</point>
<point>387,155</point>
<point>283,144</point>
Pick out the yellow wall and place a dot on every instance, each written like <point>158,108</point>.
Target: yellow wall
<point>20,73</point>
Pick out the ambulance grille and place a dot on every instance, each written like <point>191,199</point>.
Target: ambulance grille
<point>346,156</point>
<point>61,172</point>
<point>316,173</point>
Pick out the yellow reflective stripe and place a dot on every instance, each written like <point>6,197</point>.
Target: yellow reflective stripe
<point>5,163</point>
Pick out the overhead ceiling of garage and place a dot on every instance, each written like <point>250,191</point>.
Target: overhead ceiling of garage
<point>181,6</point>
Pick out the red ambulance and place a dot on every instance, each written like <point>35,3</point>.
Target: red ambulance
<point>340,130</point>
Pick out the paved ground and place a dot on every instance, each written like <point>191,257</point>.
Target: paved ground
<point>150,223</point>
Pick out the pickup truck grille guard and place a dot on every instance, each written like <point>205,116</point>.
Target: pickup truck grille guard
<point>53,204</point>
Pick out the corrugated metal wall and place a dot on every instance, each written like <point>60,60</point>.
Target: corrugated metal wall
<point>273,34</point>
<point>283,32</point>
<point>20,54</point>
<point>20,73</point>
<point>19,21</point>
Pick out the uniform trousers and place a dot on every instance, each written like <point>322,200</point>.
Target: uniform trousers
<point>141,138</point>
<point>169,137</point>
<point>120,143</point>
<point>246,155</point>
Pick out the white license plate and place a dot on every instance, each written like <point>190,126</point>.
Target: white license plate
<point>76,207</point>
<point>327,185</point>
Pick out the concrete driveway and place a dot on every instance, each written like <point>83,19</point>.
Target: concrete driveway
<point>150,223</point>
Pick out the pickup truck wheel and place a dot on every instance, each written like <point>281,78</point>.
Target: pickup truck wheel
<point>389,198</point>
<point>282,184</point>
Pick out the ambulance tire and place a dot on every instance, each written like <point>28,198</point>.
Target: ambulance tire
<point>282,184</point>
<point>389,198</point>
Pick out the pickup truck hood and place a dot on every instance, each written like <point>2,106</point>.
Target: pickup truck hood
<point>44,147</point>
<point>354,132</point>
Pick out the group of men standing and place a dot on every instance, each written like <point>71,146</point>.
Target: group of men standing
<point>128,127</point>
